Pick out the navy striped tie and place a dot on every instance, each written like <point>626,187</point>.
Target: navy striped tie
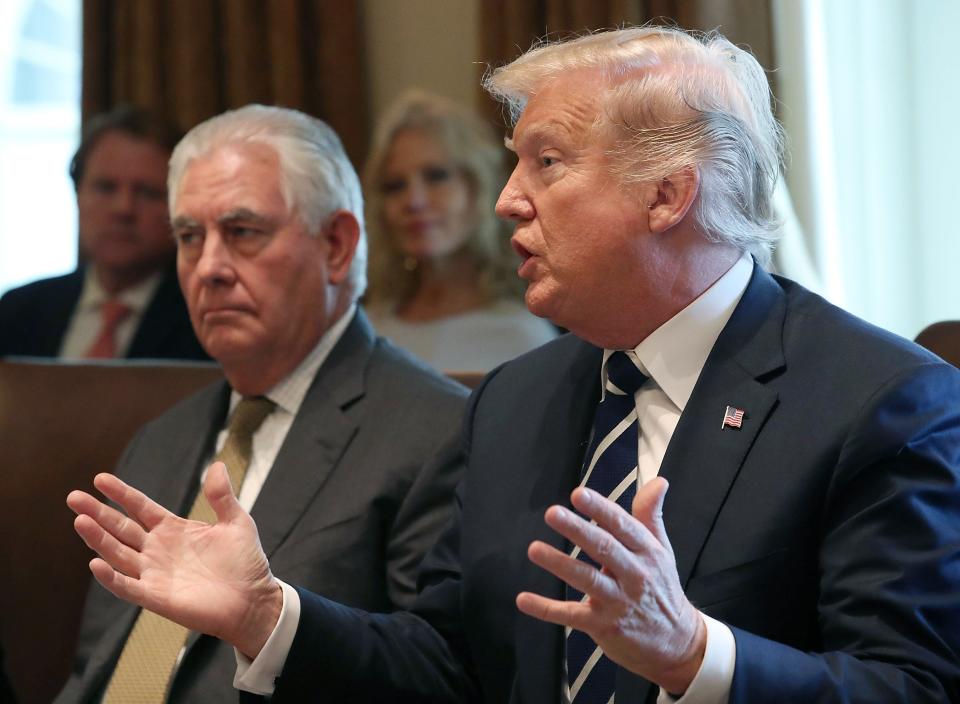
<point>610,469</point>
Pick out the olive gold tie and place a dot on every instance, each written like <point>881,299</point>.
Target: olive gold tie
<point>142,675</point>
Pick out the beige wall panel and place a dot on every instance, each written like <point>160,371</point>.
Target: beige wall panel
<point>429,44</point>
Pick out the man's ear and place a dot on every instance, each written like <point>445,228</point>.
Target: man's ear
<point>673,199</point>
<point>341,233</point>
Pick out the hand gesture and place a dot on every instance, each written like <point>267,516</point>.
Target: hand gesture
<point>209,578</point>
<point>635,608</point>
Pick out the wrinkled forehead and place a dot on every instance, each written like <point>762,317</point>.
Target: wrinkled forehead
<point>230,168</point>
<point>570,104</point>
<point>653,76</point>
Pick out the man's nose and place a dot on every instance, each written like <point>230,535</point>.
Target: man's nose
<point>124,201</point>
<point>513,203</point>
<point>215,263</point>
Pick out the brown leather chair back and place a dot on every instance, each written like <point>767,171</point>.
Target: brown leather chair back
<point>469,379</point>
<point>942,339</point>
<point>60,424</point>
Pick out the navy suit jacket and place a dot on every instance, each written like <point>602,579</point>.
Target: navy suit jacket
<point>34,319</point>
<point>825,531</point>
<point>358,493</point>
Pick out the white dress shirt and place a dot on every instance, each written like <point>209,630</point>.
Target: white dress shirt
<point>672,356</point>
<point>84,326</point>
<point>288,394</point>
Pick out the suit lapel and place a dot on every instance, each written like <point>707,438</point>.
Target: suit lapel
<point>58,311</point>
<point>188,453</point>
<point>568,415</point>
<point>316,441</point>
<point>164,313</point>
<point>318,437</point>
<point>704,457</point>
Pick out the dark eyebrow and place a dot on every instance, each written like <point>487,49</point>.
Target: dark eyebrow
<point>182,221</point>
<point>244,215</point>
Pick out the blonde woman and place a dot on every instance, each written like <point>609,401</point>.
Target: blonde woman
<point>442,273</point>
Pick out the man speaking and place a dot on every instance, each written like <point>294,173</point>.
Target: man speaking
<point>808,548</point>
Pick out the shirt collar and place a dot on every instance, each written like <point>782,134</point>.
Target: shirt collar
<point>136,297</point>
<point>290,391</point>
<point>673,355</point>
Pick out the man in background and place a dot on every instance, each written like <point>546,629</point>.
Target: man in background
<point>342,446</point>
<point>123,301</point>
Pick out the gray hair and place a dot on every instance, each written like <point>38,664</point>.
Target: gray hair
<point>316,177</point>
<point>675,100</point>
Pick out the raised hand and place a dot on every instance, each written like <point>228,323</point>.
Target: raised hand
<point>635,608</point>
<point>209,578</point>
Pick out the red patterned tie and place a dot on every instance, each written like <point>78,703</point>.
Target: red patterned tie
<point>112,313</point>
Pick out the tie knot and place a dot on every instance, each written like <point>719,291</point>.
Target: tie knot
<point>112,312</point>
<point>623,373</point>
<point>248,415</point>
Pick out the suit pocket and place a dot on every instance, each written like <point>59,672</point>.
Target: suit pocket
<point>764,575</point>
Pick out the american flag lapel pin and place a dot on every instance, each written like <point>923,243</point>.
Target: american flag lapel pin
<point>732,418</point>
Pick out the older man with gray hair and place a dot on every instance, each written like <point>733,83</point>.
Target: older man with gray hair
<point>341,446</point>
<point>809,546</point>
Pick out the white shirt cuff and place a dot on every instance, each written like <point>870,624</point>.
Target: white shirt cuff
<point>715,676</point>
<point>259,675</point>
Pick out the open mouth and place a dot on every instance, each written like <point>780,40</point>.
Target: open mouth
<point>521,250</point>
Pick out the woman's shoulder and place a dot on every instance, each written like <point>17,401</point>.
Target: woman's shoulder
<point>512,317</point>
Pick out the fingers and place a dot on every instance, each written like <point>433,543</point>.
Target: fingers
<point>578,574</point>
<point>111,550</point>
<point>137,504</point>
<point>219,493</point>
<point>648,508</point>
<point>612,549</point>
<point>120,526</point>
<point>632,532</point>
<point>563,613</point>
<point>116,583</point>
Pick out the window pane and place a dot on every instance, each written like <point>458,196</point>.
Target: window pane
<point>39,125</point>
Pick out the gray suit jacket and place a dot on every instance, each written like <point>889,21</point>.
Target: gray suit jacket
<point>357,494</point>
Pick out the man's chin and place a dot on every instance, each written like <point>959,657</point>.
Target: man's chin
<point>538,303</point>
<point>226,344</point>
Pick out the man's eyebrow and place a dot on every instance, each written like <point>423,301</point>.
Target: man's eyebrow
<point>182,221</point>
<point>549,130</point>
<point>245,215</point>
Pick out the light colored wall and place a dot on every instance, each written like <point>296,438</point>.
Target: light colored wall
<point>429,44</point>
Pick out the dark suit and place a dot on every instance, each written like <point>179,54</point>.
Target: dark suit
<point>34,320</point>
<point>358,493</point>
<point>825,531</point>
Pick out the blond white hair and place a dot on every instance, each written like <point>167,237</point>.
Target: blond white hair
<point>675,100</point>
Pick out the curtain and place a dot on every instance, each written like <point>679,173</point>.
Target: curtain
<point>874,100</point>
<point>191,59</point>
